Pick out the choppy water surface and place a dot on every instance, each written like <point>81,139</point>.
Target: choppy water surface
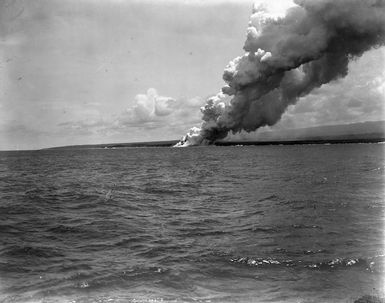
<point>208,224</point>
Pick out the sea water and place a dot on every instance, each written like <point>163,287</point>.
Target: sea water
<point>300,223</point>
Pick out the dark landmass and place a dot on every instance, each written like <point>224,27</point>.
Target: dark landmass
<point>366,132</point>
<point>297,142</point>
<point>121,145</point>
<point>370,299</point>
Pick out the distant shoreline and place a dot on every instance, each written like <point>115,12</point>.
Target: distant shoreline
<point>222,143</point>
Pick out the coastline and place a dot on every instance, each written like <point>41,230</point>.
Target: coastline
<point>223,143</point>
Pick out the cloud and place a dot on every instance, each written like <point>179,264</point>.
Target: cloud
<point>286,58</point>
<point>358,97</point>
<point>150,106</point>
<point>151,111</point>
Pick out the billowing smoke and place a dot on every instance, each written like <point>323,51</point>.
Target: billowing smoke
<point>286,57</point>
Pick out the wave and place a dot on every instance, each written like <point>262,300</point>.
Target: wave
<point>374,264</point>
<point>16,251</point>
<point>282,228</point>
<point>62,229</point>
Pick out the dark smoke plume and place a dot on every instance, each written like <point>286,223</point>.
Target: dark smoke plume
<point>286,57</point>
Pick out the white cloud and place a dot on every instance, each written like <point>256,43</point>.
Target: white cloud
<point>149,113</point>
<point>151,110</point>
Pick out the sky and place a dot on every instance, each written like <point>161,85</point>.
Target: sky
<point>105,71</point>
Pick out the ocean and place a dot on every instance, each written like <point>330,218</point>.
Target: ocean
<point>300,223</point>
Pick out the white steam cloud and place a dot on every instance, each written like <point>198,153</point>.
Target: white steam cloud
<point>288,53</point>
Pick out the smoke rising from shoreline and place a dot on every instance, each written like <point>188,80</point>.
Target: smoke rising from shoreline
<point>286,57</point>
